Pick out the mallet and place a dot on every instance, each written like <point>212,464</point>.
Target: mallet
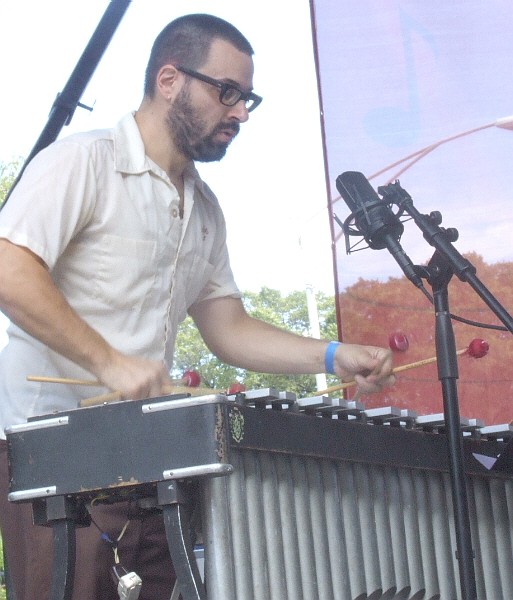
<point>189,379</point>
<point>476,349</point>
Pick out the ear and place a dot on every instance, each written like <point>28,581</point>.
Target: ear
<point>165,83</point>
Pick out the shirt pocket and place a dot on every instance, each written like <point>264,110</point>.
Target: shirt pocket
<point>126,271</point>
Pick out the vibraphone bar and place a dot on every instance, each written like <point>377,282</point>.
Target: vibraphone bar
<point>322,499</point>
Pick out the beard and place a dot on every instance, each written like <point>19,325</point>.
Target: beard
<point>191,134</point>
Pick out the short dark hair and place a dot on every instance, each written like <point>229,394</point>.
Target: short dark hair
<point>186,41</point>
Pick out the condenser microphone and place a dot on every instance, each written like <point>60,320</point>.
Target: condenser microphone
<point>375,220</point>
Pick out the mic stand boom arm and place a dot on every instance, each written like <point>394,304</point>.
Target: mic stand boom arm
<point>67,101</point>
<point>441,240</point>
<point>445,262</point>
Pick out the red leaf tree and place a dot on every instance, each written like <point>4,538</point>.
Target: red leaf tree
<point>372,310</point>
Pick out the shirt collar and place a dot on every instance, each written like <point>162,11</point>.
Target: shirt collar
<point>130,156</point>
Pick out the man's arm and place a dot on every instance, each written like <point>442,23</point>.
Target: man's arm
<point>30,299</point>
<point>240,340</point>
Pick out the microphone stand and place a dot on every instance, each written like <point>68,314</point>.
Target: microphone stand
<point>445,262</point>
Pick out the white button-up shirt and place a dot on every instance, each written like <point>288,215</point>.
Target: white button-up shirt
<point>105,219</point>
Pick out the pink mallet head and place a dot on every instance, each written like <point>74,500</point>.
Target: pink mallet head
<point>191,379</point>
<point>478,348</point>
<point>398,341</point>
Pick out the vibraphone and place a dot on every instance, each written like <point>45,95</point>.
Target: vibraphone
<point>322,499</point>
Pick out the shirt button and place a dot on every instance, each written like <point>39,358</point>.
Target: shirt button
<point>174,213</point>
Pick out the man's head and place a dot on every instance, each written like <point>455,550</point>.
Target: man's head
<point>186,41</point>
<point>201,73</point>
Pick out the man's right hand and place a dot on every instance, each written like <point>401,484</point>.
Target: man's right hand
<point>135,378</point>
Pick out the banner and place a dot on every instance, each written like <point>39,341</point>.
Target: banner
<point>432,81</point>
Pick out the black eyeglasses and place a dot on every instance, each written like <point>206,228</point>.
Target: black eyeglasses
<point>229,94</point>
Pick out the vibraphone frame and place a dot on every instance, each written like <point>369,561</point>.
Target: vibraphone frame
<point>264,437</point>
<point>50,458</point>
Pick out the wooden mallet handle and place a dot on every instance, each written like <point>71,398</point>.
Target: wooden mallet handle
<point>113,396</point>
<point>64,380</point>
<point>168,389</point>
<point>101,399</point>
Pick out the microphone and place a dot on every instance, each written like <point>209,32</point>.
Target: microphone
<point>375,220</point>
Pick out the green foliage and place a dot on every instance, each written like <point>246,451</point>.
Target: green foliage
<point>8,172</point>
<point>287,312</point>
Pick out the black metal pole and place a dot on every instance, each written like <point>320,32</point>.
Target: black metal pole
<point>448,375</point>
<point>67,101</point>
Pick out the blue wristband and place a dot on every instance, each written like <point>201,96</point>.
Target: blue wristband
<point>329,357</point>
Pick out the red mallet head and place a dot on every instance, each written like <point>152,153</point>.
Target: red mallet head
<point>398,341</point>
<point>236,388</point>
<point>478,348</point>
<point>191,379</point>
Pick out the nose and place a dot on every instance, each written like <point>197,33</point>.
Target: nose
<point>239,112</point>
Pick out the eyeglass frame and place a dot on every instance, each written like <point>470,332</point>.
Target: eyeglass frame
<point>223,87</point>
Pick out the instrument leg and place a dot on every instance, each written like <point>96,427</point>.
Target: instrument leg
<point>173,498</point>
<point>63,514</point>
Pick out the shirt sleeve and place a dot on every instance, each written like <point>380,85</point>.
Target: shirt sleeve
<point>53,200</point>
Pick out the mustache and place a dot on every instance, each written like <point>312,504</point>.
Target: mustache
<point>232,126</point>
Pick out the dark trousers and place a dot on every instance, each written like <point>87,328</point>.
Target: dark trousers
<point>29,550</point>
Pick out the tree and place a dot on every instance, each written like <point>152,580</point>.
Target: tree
<point>371,310</point>
<point>288,312</point>
<point>8,172</point>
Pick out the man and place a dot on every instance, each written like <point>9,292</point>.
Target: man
<point>106,243</point>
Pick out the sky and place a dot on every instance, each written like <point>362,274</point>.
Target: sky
<point>271,184</point>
